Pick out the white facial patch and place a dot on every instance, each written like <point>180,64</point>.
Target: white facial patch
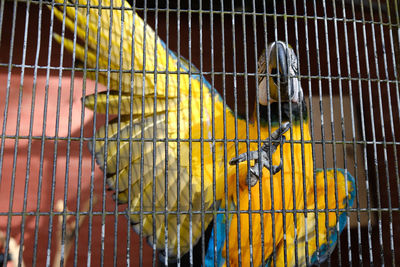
<point>297,90</point>
<point>262,92</point>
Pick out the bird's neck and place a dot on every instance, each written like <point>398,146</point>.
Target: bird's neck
<point>285,111</point>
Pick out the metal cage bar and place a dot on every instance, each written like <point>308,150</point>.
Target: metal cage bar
<point>353,120</point>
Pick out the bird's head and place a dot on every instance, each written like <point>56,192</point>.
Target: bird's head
<point>282,80</point>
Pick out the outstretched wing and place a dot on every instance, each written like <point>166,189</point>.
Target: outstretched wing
<point>143,156</point>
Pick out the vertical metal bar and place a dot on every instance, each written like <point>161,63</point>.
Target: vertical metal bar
<point>363,132</point>
<point>1,17</point>
<point>312,133</point>
<point>121,58</point>
<point>64,215</point>
<point>353,128</point>
<point>236,132</point>
<point>282,172</point>
<point>257,113</point>
<point>5,116</point>
<point>108,68</point>
<point>293,165</point>
<point>28,159</point>
<point>333,133</point>
<point>227,207</point>
<point>93,159</point>
<point>178,136</point>
<point>383,125</point>
<point>303,167</point>
<point>393,6</point>
<point>271,183</point>
<point>322,131</point>
<point>154,131</point>
<point>132,81</point>
<point>396,67</point>
<point>372,119</point>
<point>56,138</point>
<point>202,135</point>
<point>316,213</point>
<point>213,131</point>
<point>43,137</point>
<point>190,140</point>
<point>392,131</point>
<point>15,157</point>
<point>246,89</point>
<point>81,139</point>
<point>365,150</point>
<point>166,136</point>
<point>343,139</point>
<point>142,136</point>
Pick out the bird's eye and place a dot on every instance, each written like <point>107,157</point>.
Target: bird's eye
<point>274,72</point>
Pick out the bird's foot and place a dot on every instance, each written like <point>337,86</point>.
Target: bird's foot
<point>267,149</point>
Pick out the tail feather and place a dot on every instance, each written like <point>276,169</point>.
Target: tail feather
<point>317,220</point>
<point>346,194</point>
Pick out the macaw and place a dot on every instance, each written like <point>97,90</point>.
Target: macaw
<point>161,152</point>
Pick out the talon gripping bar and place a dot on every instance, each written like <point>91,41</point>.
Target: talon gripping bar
<point>265,161</point>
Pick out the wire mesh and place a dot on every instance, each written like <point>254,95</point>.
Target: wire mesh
<point>56,207</point>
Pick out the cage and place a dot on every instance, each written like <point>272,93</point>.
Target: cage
<point>57,208</point>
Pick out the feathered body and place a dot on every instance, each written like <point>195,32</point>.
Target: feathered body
<point>176,116</point>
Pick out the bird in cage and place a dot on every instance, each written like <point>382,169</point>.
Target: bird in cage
<point>179,172</point>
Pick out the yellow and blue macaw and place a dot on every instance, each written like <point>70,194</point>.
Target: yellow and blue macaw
<point>165,155</point>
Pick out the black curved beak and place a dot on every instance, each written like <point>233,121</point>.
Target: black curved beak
<point>282,64</point>
<point>280,71</point>
<point>284,85</point>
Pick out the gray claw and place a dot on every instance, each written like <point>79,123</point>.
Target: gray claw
<point>264,161</point>
<point>253,155</point>
<point>253,179</point>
